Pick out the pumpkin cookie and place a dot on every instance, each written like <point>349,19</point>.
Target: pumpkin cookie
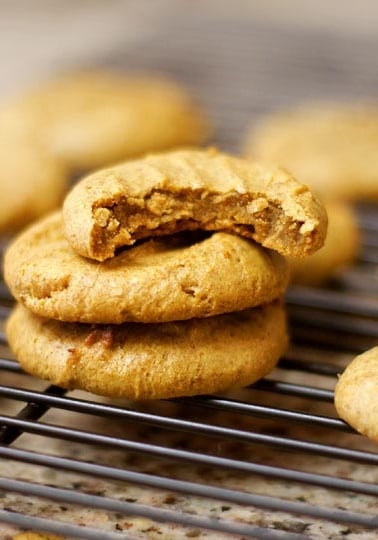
<point>340,247</point>
<point>140,361</point>
<point>333,148</point>
<point>91,119</point>
<point>168,278</point>
<point>192,189</point>
<point>356,394</point>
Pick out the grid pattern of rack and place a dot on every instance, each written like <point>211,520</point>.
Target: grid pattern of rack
<point>272,461</point>
<point>352,315</point>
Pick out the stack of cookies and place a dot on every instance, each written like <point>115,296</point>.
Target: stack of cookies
<point>162,277</point>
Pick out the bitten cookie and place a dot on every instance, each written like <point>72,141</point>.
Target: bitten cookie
<point>139,361</point>
<point>192,189</point>
<point>340,247</point>
<point>90,119</point>
<point>169,278</point>
<point>31,181</point>
<point>356,394</point>
<point>331,147</point>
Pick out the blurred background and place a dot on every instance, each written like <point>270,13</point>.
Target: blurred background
<point>239,58</point>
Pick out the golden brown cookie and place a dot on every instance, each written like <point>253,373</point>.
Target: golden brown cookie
<point>90,119</point>
<point>140,361</point>
<point>340,247</point>
<point>192,189</point>
<point>168,278</point>
<point>31,181</point>
<point>356,394</point>
<point>331,147</point>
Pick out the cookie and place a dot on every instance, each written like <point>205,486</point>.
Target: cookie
<point>340,248</point>
<point>140,361</point>
<point>31,181</point>
<point>164,279</point>
<point>90,119</point>
<point>331,147</point>
<point>192,189</point>
<point>356,394</point>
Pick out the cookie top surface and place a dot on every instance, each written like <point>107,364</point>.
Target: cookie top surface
<point>340,248</point>
<point>331,147</point>
<point>168,278</point>
<point>356,394</point>
<point>190,189</point>
<point>140,361</point>
<point>90,119</point>
<point>31,181</point>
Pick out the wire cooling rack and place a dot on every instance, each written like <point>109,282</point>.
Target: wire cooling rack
<point>271,461</point>
<point>323,322</point>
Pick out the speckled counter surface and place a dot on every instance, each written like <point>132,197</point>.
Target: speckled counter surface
<point>143,528</point>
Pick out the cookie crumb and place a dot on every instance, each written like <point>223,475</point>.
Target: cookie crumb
<point>102,216</point>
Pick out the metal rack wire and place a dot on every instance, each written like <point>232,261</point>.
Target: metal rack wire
<point>333,304</point>
<point>282,431</point>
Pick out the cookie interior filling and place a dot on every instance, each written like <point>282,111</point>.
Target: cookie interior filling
<point>123,222</point>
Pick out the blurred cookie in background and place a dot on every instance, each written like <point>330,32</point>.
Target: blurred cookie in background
<point>80,122</point>
<point>331,147</point>
<point>90,119</point>
<point>32,182</point>
<point>340,249</point>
